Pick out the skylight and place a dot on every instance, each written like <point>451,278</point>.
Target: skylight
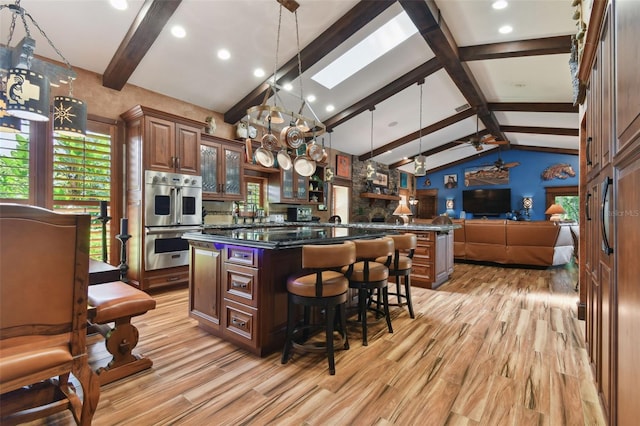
<point>385,38</point>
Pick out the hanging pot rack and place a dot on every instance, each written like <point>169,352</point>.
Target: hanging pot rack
<point>257,115</point>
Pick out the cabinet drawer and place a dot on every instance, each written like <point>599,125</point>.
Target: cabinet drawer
<point>424,272</point>
<point>240,284</point>
<point>241,256</point>
<point>239,323</point>
<point>425,251</point>
<point>166,277</point>
<point>427,236</point>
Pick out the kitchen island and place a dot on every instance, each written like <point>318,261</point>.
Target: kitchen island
<point>238,274</point>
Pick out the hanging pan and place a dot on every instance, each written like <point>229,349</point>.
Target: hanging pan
<point>304,166</point>
<point>292,136</point>
<point>269,141</point>
<point>263,156</point>
<point>314,151</point>
<point>284,160</point>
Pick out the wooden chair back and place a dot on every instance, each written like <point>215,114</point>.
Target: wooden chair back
<point>44,275</point>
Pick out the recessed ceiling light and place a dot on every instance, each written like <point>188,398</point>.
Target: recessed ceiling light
<point>385,38</point>
<point>405,158</point>
<point>505,29</point>
<point>499,4</point>
<point>178,31</point>
<point>119,4</point>
<point>258,72</point>
<point>389,151</point>
<point>288,87</point>
<point>311,98</point>
<point>393,124</point>
<point>224,54</point>
<point>330,108</point>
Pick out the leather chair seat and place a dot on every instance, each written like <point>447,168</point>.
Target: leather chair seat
<point>28,355</point>
<point>118,300</point>
<point>333,284</point>
<point>377,271</point>
<point>404,263</point>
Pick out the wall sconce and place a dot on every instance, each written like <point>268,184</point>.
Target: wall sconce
<point>404,212</point>
<point>527,203</point>
<point>556,211</point>
<point>449,204</point>
<point>26,82</point>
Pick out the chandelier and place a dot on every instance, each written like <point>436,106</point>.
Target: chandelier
<point>266,114</point>
<point>26,82</point>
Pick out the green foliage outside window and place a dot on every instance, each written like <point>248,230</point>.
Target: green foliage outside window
<point>571,204</point>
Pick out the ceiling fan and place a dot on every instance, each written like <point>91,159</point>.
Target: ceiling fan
<point>500,165</point>
<point>478,141</point>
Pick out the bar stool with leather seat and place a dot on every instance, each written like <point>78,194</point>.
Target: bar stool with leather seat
<point>324,288</point>
<point>400,268</point>
<point>369,276</point>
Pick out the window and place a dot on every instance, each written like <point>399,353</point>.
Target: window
<point>567,197</point>
<point>82,178</point>
<point>14,166</point>
<point>65,174</point>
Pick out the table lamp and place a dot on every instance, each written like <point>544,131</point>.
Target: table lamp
<point>403,211</point>
<point>556,211</point>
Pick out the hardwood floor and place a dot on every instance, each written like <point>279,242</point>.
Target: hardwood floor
<point>493,346</point>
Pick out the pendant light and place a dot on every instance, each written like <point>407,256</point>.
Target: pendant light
<point>420,161</point>
<point>27,82</point>
<point>328,171</point>
<point>371,170</point>
<point>8,124</point>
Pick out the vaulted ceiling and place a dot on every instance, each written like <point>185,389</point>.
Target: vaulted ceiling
<point>516,87</point>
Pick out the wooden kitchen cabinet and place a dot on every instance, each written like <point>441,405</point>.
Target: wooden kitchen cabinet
<point>169,143</point>
<point>222,168</point>
<point>236,293</point>
<point>288,187</point>
<point>432,259</point>
<point>204,289</point>
<point>155,140</point>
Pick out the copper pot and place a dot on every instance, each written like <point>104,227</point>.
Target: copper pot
<point>292,136</point>
<point>314,151</point>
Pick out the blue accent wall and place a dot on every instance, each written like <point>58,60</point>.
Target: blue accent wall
<point>525,180</point>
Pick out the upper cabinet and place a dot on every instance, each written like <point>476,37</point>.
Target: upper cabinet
<point>222,164</point>
<point>169,143</point>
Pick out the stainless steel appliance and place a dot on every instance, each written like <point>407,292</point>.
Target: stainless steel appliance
<point>173,206</point>
<point>172,199</point>
<point>299,214</point>
<point>165,248</point>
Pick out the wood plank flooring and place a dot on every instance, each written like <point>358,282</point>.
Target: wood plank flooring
<point>493,346</point>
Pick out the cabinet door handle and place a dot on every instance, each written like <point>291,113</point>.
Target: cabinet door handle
<point>589,141</point>
<point>604,215</point>
<point>173,278</point>
<point>178,162</point>
<point>237,322</point>
<point>587,203</point>
<point>238,284</point>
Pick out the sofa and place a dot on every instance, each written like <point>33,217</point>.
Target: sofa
<point>536,243</point>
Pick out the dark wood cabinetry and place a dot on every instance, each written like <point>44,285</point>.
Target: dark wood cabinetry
<point>610,217</point>
<point>222,168</point>
<point>159,141</point>
<point>288,187</point>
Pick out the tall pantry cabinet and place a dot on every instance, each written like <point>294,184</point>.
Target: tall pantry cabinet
<point>611,193</point>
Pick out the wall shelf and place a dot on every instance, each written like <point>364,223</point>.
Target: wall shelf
<point>373,197</point>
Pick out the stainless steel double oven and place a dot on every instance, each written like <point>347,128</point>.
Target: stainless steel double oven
<point>173,206</point>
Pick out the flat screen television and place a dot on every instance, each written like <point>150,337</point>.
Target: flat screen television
<point>486,202</point>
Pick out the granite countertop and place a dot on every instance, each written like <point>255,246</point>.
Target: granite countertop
<point>276,235</point>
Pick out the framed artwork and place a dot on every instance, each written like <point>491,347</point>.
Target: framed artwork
<point>450,181</point>
<point>404,178</point>
<point>381,179</point>
<point>343,166</point>
<point>485,175</point>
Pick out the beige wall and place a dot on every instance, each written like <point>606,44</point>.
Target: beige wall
<point>110,103</point>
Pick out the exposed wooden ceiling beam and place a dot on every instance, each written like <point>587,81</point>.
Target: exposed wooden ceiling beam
<point>540,130</point>
<point>514,49</point>
<point>547,149</point>
<point>415,135</point>
<point>435,32</point>
<point>144,30</point>
<point>410,78</point>
<point>533,106</point>
<point>356,18</point>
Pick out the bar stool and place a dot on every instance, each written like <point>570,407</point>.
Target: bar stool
<point>400,268</point>
<point>325,288</point>
<point>369,276</point>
